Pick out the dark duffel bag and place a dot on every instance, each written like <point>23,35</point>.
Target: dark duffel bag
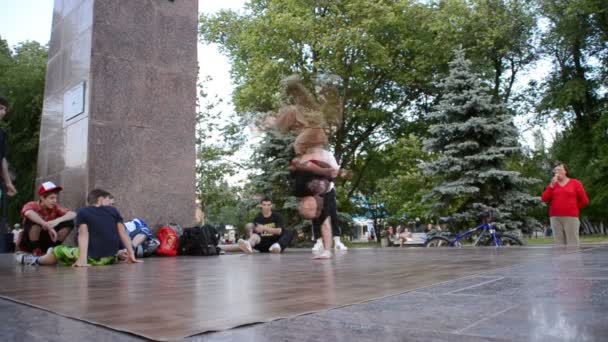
<point>199,241</point>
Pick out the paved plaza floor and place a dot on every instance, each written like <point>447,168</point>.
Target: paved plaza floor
<point>389,294</point>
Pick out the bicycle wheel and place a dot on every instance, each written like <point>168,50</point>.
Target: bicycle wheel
<point>437,241</point>
<point>486,241</point>
<point>510,240</point>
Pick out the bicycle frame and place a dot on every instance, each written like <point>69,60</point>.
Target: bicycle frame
<point>485,228</point>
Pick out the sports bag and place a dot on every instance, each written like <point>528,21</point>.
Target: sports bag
<point>168,242</point>
<point>199,241</point>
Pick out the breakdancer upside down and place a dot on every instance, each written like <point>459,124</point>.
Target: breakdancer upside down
<point>314,168</point>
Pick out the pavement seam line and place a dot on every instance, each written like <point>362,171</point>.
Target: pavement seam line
<point>459,331</point>
<point>475,285</point>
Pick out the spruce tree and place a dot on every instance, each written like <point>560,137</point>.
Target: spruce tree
<point>271,159</point>
<point>474,138</point>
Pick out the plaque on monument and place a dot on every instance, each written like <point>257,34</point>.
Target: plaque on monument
<point>73,101</point>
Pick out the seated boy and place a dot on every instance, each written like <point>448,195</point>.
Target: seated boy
<point>45,222</point>
<point>269,234</point>
<point>100,233</point>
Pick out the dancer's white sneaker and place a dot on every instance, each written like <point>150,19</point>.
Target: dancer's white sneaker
<point>318,247</point>
<point>326,254</point>
<point>339,246</point>
<point>275,248</point>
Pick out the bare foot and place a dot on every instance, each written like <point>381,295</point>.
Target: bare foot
<point>245,246</point>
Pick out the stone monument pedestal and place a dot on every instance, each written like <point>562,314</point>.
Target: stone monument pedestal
<point>119,106</point>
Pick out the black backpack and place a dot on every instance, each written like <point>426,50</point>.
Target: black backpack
<point>199,241</point>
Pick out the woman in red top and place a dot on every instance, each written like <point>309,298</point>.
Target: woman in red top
<point>566,197</point>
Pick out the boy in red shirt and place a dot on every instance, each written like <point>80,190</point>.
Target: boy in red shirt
<point>45,222</point>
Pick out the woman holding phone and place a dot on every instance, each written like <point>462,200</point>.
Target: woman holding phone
<point>566,197</point>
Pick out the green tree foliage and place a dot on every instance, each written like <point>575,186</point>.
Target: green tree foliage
<point>22,75</point>
<point>473,139</point>
<point>217,140</point>
<point>381,73</point>
<point>575,94</point>
<point>498,36</point>
<point>574,40</point>
<point>271,177</point>
<point>403,190</point>
<point>386,55</point>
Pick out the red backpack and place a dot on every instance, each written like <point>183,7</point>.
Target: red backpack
<point>168,242</point>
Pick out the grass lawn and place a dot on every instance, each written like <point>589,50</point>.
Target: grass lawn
<point>583,239</point>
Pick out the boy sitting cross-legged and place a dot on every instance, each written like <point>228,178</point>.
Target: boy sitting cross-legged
<point>100,233</point>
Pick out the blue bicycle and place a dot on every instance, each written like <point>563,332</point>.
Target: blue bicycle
<point>488,236</point>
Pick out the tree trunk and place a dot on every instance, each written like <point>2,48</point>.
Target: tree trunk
<point>497,75</point>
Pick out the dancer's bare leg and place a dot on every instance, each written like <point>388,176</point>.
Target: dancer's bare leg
<point>327,240</point>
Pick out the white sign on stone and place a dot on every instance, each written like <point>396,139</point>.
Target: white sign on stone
<point>73,102</point>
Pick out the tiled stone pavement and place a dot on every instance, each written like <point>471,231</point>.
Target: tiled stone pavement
<point>556,298</point>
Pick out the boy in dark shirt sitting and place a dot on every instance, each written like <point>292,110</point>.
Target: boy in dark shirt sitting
<point>269,233</point>
<point>100,233</point>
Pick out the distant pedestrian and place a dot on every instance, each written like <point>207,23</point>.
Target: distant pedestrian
<point>566,197</point>
<point>7,189</point>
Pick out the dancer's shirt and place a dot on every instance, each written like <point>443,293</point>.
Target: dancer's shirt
<point>303,179</point>
<point>320,155</point>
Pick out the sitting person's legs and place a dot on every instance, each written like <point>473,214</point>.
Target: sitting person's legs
<point>246,246</point>
<point>138,240</point>
<point>285,238</point>
<point>66,256</point>
<point>63,230</point>
<point>404,237</point>
<point>33,231</point>
<point>31,238</point>
<point>265,242</point>
<point>29,259</point>
<point>36,240</point>
<point>241,245</point>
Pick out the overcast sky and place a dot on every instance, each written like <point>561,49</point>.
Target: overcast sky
<point>22,20</point>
